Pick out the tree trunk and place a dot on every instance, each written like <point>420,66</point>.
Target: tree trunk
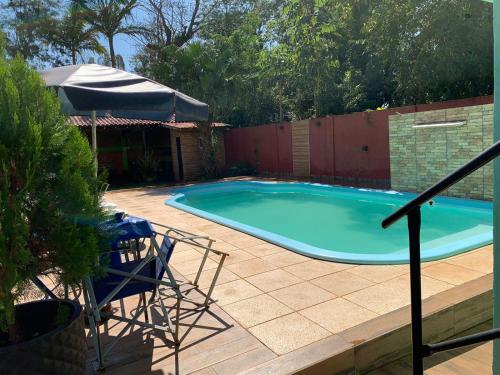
<point>73,56</point>
<point>112,51</point>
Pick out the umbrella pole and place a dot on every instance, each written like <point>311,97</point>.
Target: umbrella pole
<point>94,139</point>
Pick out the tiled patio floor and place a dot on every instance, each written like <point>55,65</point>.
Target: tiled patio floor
<point>277,301</point>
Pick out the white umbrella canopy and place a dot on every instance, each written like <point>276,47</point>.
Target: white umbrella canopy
<point>92,87</point>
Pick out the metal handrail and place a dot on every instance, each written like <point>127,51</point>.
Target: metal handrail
<point>412,211</point>
<point>483,158</point>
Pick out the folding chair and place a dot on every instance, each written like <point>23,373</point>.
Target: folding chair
<point>125,278</point>
<point>175,236</point>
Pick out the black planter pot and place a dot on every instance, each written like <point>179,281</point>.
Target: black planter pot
<point>56,341</point>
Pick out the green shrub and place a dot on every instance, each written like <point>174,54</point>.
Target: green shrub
<point>241,169</point>
<point>49,196</point>
<point>149,166</point>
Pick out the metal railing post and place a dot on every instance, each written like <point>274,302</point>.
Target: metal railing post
<point>416,289</point>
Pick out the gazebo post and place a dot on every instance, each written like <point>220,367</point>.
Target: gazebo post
<point>496,187</point>
<point>94,139</point>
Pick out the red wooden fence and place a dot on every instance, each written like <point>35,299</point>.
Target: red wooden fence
<point>352,146</point>
<point>268,147</point>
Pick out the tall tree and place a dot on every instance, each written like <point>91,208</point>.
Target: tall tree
<point>105,59</point>
<point>171,22</point>
<point>73,35</point>
<point>256,61</point>
<point>308,32</point>
<point>109,18</point>
<point>434,49</point>
<point>26,25</point>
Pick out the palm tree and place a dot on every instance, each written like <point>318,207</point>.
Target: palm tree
<point>105,59</point>
<point>108,18</point>
<point>71,34</point>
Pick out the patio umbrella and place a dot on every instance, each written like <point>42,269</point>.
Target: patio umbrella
<point>92,87</point>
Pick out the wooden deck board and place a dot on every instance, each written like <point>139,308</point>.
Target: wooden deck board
<point>471,360</point>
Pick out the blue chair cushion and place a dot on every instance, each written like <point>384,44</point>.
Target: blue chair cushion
<point>103,286</point>
<point>154,269</point>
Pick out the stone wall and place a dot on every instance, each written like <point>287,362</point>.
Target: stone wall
<point>423,150</point>
<point>300,148</point>
<point>192,153</point>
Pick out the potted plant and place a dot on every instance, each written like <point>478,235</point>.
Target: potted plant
<point>148,166</point>
<point>48,198</point>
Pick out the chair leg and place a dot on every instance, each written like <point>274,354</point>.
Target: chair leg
<point>214,281</point>
<point>143,298</point>
<point>99,349</point>
<point>94,331</point>
<point>94,328</point>
<point>177,318</point>
<point>200,269</point>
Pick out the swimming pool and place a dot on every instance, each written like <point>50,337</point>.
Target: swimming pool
<point>338,223</point>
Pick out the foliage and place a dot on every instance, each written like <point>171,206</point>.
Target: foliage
<point>27,26</point>
<point>256,62</point>
<point>72,34</point>
<point>109,18</point>
<point>435,50</point>
<point>241,169</point>
<point>48,193</point>
<point>208,144</point>
<point>170,22</point>
<point>272,60</point>
<point>105,59</point>
<point>223,72</point>
<point>149,165</point>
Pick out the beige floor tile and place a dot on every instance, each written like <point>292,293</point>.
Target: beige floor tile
<point>480,261</point>
<point>338,314</point>
<point>207,276</point>
<point>234,291</point>
<point>273,280</point>
<point>451,273</point>
<point>186,255</point>
<point>430,286</point>
<point>380,273</point>
<point>285,259</point>
<point>264,249</point>
<point>302,295</point>
<point>250,267</point>
<point>431,263</point>
<point>192,266</point>
<point>341,283</point>
<point>290,332</point>
<point>313,269</point>
<point>256,310</point>
<point>394,294</point>
<point>248,241</point>
<point>237,256</point>
<point>224,246</point>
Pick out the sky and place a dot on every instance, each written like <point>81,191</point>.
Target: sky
<point>125,46</point>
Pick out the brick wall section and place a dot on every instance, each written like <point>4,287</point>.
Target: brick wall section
<point>422,156</point>
<point>300,148</point>
<point>192,154</point>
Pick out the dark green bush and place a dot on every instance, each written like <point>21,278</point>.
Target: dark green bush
<point>241,169</point>
<point>48,192</point>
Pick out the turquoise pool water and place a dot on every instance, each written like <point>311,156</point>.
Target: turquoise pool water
<point>338,223</point>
